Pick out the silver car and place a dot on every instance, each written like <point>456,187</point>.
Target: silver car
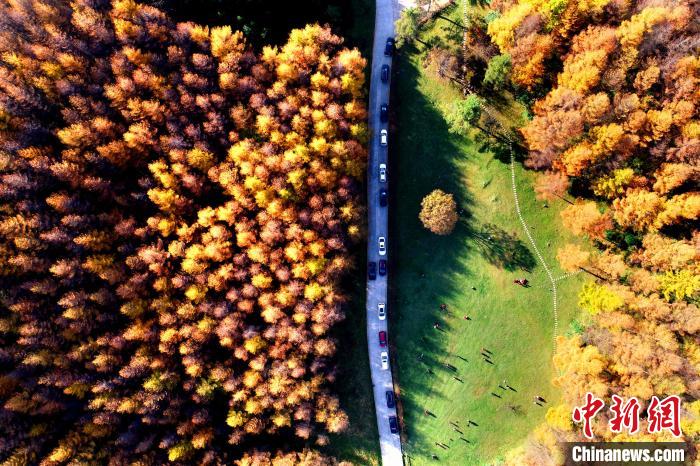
<point>384,137</point>
<point>381,311</point>
<point>385,360</point>
<point>382,173</point>
<point>382,246</point>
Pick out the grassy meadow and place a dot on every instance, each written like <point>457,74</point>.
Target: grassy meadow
<point>472,271</point>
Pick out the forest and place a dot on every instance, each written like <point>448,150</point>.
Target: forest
<point>614,88</point>
<point>177,209</point>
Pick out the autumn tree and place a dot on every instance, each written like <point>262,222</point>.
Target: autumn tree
<point>552,185</point>
<point>572,257</point>
<point>586,218</point>
<point>303,458</point>
<point>439,212</point>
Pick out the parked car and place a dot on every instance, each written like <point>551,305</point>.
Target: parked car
<point>385,73</point>
<point>382,173</point>
<point>384,113</point>
<point>382,267</point>
<point>390,401</point>
<point>381,311</point>
<point>383,197</point>
<point>385,360</point>
<point>382,338</point>
<point>389,47</point>
<point>393,425</point>
<point>382,245</point>
<point>372,270</point>
<point>383,137</point>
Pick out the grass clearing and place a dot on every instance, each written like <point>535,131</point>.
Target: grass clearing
<point>472,271</point>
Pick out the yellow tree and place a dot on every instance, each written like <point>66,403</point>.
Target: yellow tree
<point>439,212</point>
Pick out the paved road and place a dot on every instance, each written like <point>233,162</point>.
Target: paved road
<point>378,225</point>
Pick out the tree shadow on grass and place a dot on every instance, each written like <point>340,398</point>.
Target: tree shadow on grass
<point>424,157</point>
<point>427,269</point>
<point>503,249</point>
<point>501,150</point>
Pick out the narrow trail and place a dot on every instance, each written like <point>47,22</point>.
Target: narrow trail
<point>523,223</point>
<point>552,280</point>
<point>565,276</point>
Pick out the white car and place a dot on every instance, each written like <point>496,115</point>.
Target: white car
<point>384,137</point>
<point>385,360</point>
<point>382,246</point>
<point>382,173</point>
<point>381,311</point>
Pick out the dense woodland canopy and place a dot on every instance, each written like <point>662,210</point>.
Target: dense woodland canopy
<point>617,125</point>
<point>175,216</point>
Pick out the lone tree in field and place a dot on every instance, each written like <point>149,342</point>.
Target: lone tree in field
<point>439,212</point>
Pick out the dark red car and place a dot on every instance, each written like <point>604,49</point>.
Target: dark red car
<point>382,338</point>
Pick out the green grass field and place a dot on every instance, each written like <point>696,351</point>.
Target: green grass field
<point>474,276</point>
